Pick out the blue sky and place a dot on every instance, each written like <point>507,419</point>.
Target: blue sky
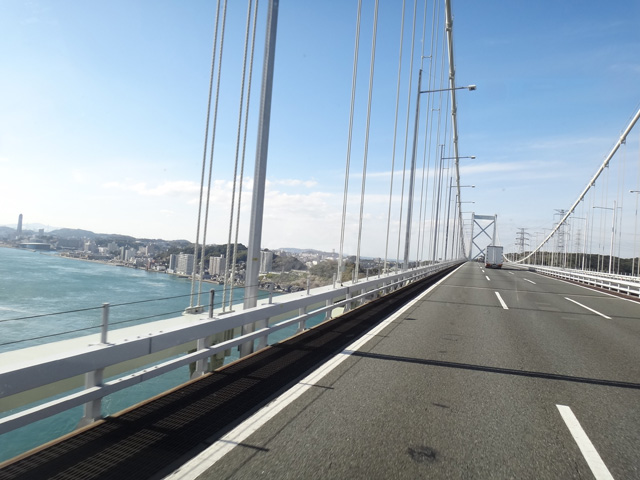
<point>102,109</point>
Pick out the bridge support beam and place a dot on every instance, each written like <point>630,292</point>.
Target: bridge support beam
<point>493,221</point>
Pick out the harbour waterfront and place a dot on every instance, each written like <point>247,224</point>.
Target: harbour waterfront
<point>34,285</point>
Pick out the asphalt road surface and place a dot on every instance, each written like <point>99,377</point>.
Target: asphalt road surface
<point>501,374</point>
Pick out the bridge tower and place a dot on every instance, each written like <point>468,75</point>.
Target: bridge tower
<point>483,222</point>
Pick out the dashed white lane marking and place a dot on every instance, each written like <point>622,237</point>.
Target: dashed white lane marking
<point>488,279</point>
<point>205,460</point>
<point>511,273</point>
<point>590,309</point>
<point>597,466</point>
<point>504,305</point>
<point>530,281</point>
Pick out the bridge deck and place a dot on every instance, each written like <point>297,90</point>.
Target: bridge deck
<point>473,380</point>
<point>153,439</point>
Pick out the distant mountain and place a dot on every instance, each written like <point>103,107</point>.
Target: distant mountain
<point>72,233</point>
<point>301,250</point>
<point>117,238</point>
<point>287,264</point>
<point>37,226</point>
<point>6,231</point>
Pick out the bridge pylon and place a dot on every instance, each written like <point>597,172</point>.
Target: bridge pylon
<point>486,222</point>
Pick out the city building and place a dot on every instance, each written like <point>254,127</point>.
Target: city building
<point>266,261</point>
<point>184,263</point>
<point>216,265</point>
<point>130,255</point>
<point>19,230</point>
<point>90,246</point>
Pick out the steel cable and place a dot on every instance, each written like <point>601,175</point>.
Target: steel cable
<point>406,134</point>
<point>350,137</point>
<point>206,138</point>
<point>395,135</point>
<point>241,119</point>
<point>213,140</point>
<point>366,140</point>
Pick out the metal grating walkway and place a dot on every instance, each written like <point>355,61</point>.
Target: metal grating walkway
<point>154,438</point>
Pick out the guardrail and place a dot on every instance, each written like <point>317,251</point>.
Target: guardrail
<point>92,360</point>
<point>618,283</point>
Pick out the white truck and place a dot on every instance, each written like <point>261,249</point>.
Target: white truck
<point>493,256</point>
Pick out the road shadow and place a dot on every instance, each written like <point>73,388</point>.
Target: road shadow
<point>503,371</point>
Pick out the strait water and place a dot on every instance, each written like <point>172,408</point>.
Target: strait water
<point>34,285</point>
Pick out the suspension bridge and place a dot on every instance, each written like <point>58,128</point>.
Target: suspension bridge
<point>433,366</point>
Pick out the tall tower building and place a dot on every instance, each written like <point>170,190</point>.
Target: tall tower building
<point>19,232</point>
<point>266,261</point>
<point>185,263</point>
<point>216,265</point>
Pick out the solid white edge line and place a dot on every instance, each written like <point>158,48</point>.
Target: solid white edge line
<point>592,290</point>
<point>589,452</point>
<point>590,309</point>
<point>504,305</point>
<point>206,459</point>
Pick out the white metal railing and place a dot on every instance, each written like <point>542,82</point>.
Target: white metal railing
<point>92,360</point>
<point>617,283</point>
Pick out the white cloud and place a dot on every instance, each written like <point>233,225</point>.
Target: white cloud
<point>293,183</point>
<point>172,188</point>
<point>79,176</point>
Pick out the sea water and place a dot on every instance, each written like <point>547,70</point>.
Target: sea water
<point>45,297</point>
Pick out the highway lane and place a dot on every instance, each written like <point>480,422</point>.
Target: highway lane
<point>457,386</point>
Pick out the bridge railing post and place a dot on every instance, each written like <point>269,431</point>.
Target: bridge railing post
<point>347,305</point>
<point>303,323</point>
<point>105,323</point>
<point>92,410</point>
<point>264,340</point>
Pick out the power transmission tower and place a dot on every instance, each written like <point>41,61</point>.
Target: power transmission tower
<point>560,242</point>
<point>522,239</point>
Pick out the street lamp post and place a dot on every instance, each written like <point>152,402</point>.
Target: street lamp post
<point>414,149</point>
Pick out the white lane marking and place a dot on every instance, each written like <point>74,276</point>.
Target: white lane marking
<point>487,278</point>
<point>597,466</point>
<point>530,281</point>
<point>202,462</point>
<point>504,305</point>
<point>632,300</point>
<point>511,273</point>
<point>590,309</point>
